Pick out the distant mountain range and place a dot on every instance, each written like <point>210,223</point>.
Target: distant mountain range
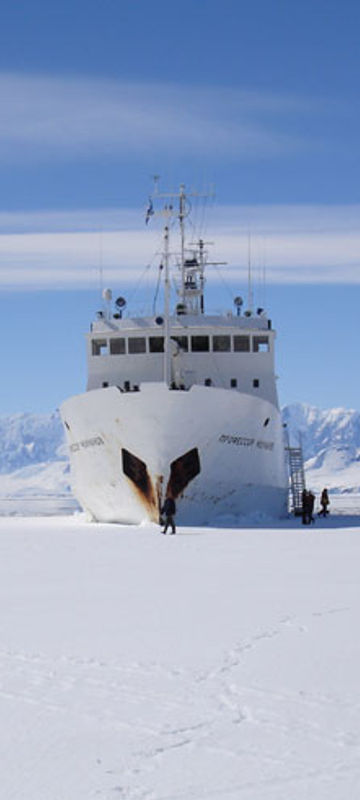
<point>28,439</point>
<point>33,454</point>
<point>331,445</point>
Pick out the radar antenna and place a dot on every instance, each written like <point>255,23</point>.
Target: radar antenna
<point>192,269</point>
<point>182,199</point>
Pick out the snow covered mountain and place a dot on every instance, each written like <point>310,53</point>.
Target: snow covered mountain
<point>27,439</point>
<point>320,430</point>
<point>33,456</point>
<point>331,445</point>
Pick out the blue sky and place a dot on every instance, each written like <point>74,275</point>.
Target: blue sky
<point>260,100</point>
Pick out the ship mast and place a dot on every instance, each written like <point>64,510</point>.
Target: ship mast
<point>166,212</point>
<point>182,197</point>
<point>182,215</point>
<point>250,289</point>
<point>191,289</point>
<point>166,308</point>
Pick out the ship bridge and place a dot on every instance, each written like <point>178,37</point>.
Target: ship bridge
<point>233,352</point>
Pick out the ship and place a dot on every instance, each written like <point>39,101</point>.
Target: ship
<point>180,404</point>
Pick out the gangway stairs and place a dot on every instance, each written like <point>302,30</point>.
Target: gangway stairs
<point>297,478</point>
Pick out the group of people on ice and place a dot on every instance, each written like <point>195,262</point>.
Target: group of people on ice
<point>308,502</point>
<point>168,510</point>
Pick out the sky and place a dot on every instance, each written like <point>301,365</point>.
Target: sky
<point>256,104</point>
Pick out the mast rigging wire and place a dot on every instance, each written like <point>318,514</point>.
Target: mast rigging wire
<point>227,286</point>
<point>161,267</point>
<point>137,285</point>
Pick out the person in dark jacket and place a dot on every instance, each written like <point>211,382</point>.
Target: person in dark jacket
<point>305,507</point>
<point>324,502</point>
<point>311,502</point>
<point>308,500</point>
<point>169,511</point>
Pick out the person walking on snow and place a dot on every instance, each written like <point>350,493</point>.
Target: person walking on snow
<point>169,510</point>
<point>324,502</point>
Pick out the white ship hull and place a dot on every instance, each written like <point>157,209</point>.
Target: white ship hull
<point>219,452</point>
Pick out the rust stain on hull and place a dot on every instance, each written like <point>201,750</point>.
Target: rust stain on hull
<point>136,471</point>
<point>183,470</point>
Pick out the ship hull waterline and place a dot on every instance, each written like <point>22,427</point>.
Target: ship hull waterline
<point>218,452</point>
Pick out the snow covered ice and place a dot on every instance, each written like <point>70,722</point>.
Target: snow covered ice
<point>212,664</point>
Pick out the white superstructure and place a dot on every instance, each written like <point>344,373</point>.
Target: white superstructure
<point>181,404</point>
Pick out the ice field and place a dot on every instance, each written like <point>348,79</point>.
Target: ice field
<point>211,665</point>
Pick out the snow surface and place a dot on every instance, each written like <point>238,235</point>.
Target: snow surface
<point>209,665</point>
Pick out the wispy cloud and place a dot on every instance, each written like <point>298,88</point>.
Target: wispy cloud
<point>43,116</point>
<point>296,244</point>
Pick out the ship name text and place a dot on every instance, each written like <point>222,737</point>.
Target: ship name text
<point>245,441</point>
<point>95,441</point>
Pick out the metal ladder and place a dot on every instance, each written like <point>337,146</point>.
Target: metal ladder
<point>297,478</point>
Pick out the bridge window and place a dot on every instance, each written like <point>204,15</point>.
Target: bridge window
<point>242,344</point>
<point>99,347</point>
<point>200,344</point>
<point>261,344</point>
<point>117,346</point>
<point>156,344</point>
<point>221,344</point>
<point>182,341</point>
<point>137,344</point>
